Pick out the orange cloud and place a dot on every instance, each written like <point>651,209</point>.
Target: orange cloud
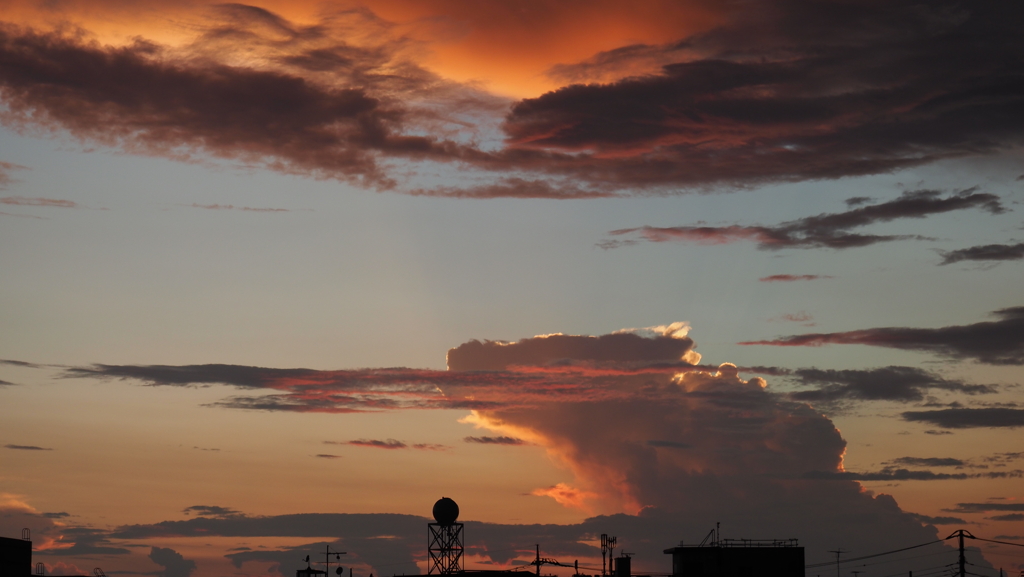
<point>567,496</point>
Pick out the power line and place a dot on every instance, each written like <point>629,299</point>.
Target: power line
<point>814,565</point>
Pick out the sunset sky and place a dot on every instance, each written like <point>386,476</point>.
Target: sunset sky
<point>278,276</point>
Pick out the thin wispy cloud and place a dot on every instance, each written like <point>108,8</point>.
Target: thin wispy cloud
<point>998,342</point>
<point>509,441</point>
<point>27,448</point>
<point>232,207</point>
<point>829,230</point>
<point>48,202</point>
<point>987,252</point>
<point>792,277</point>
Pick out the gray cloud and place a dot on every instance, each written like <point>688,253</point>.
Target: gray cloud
<point>965,418</point>
<point>27,448</point>
<point>893,383</point>
<point>988,252</point>
<point>999,342</point>
<point>825,230</point>
<point>173,563</point>
<point>495,440</point>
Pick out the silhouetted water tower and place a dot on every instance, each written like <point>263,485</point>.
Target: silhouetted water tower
<point>445,539</point>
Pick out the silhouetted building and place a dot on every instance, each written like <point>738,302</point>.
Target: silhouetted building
<point>310,572</point>
<point>739,558</point>
<point>15,557</point>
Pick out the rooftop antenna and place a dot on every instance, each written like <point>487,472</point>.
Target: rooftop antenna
<point>98,572</point>
<point>26,534</point>
<point>41,569</point>
<point>838,551</point>
<point>444,543</point>
<point>337,557</point>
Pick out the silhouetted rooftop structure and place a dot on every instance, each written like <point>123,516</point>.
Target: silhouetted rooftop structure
<point>739,558</point>
<point>15,557</point>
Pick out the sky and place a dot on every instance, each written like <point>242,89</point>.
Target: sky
<point>278,276</point>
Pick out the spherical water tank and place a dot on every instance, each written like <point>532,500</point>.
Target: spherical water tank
<point>446,511</point>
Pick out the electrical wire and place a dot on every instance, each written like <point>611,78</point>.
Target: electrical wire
<point>812,566</point>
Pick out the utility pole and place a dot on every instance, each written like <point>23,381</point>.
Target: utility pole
<point>604,551</point>
<point>538,560</point>
<point>960,534</point>
<point>837,552</point>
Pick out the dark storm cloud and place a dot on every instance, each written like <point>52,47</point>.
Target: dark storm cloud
<point>984,253</point>
<point>894,383</point>
<point>495,440</point>
<point>782,90</point>
<point>791,277</point>
<point>334,121</point>
<point>619,347</point>
<point>999,342</point>
<point>793,90</point>
<point>174,564</point>
<point>962,418</point>
<point>27,448</point>
<point>829,230</point>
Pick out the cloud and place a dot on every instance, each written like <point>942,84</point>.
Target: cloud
<point>52,202</point>
<point>173,563</point>
<point>310,100</point>
<point>232,207</point>
<point>5,173</point>
<point>27,448</point>
<point>965,418</point>
<point>826,230</point>
<point>495,440</point>
<point>893,383</point>
<point>898,474</point>
<point>327,456</point>
<point>211,511</point>
<point>549,349</point>
<point>779,92</point>
<point>654,445</point>
<point>930,461</point>
<point>566,496</point>
<point>938,520</point>
<point>1009,517</point>
<point>791,277</point>
<point>377,444</point>
<point>787,91</point>
<point>984,253</point>
<point>999,342</point>
<point>985,507</point>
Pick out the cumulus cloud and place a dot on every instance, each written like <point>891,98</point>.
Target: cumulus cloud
<point>969,418</point>
<point>893,383</point>
<point>987,252</point>
<point>623,347</point>
<point>824,230</point>
<point>173,563</point>
<point>642,434</point>
<point>999,342</point>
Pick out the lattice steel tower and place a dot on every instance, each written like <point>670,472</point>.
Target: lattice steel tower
<point>445,539</point>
